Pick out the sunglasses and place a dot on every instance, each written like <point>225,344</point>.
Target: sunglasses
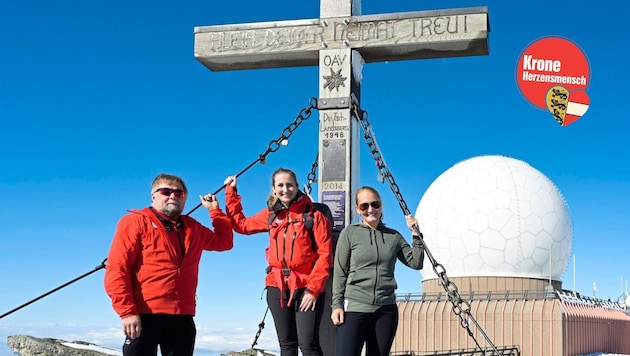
<point>375,205</point>
<point>168,191</point>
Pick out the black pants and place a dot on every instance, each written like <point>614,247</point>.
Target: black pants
<point>294,327</point>
<point>327,330</point>
<point>376,330</point>
<point>175,334</point>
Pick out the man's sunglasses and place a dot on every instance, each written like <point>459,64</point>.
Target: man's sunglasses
<point>375,205</point>
<point>168,191</point>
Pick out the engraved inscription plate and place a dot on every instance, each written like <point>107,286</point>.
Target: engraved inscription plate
<point>335,157</point>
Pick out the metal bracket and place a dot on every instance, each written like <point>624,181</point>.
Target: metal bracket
<point>333,103</point>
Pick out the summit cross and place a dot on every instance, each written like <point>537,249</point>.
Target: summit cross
<point>340,42</point>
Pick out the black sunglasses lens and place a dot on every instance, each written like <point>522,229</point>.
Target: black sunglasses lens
<point>375,205</point>
<point>168,191</point>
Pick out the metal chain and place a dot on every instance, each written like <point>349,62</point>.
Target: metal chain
<point>461,308</point>
<point>99,267</point>
<point>275,145</point>
<point>261,326</point>
<point>383,171</point>
<point>312,176</point>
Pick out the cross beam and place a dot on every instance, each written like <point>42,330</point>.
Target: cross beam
<point>340,42</point>
<point>378,38</point>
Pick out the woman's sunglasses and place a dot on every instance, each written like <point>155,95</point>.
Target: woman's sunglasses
<point>375,205</point>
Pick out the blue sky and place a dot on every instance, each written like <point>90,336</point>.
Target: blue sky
<point>97,97</point>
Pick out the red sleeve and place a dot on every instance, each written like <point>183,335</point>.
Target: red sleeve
<point>322,230</point>
<point>222,238</point>
<point>240,223</point>
<point>120,260</point>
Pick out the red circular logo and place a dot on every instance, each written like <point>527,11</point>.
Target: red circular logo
<point>548,71</point>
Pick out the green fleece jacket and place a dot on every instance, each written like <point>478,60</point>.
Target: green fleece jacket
<point>365,260</point>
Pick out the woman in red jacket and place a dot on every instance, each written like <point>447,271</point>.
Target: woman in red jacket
<point>298,266</point>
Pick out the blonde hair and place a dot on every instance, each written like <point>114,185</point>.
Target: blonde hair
<point>272,199</point>
<point>368,188</point>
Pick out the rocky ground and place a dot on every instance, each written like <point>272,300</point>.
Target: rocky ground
<point>24,345</point>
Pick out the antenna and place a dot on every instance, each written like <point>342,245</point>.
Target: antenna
<point>549,289</point>
<point>550,247</point>
<point>574,274</point>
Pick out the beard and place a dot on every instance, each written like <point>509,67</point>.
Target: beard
<point>171,210</point>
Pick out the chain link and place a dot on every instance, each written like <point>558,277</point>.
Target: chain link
<point>261,326</point>
<point>311,177</point>
<point>460,307</point>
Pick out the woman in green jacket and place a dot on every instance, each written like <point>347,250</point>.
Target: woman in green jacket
<point>364,299</point>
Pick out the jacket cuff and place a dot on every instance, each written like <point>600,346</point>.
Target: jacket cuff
<point>310,291</point>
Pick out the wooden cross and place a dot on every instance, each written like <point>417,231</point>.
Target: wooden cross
<point>340,41</point>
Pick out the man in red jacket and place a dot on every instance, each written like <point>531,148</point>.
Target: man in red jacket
<point>152,269</point>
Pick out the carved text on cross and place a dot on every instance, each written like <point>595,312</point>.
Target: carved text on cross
<point>390,37</point>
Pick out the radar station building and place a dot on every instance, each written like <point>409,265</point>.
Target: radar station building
<point>500,236</point>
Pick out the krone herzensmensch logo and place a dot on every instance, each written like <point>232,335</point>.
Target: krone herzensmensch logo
<point>553,74</point>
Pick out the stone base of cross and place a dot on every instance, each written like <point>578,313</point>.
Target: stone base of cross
<point>340,42</point>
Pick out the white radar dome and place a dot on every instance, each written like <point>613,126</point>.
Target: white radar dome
<point>495,216</point>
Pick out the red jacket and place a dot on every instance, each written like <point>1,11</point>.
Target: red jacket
<point>143,274</point>
<point>290,245</point>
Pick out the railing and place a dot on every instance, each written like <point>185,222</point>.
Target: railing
<point>505,350</point>
<point>577,298</point>
<point>564,295</point>
<point>470,296</point>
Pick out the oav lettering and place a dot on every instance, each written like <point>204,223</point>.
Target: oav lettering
<point>334,60</point>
